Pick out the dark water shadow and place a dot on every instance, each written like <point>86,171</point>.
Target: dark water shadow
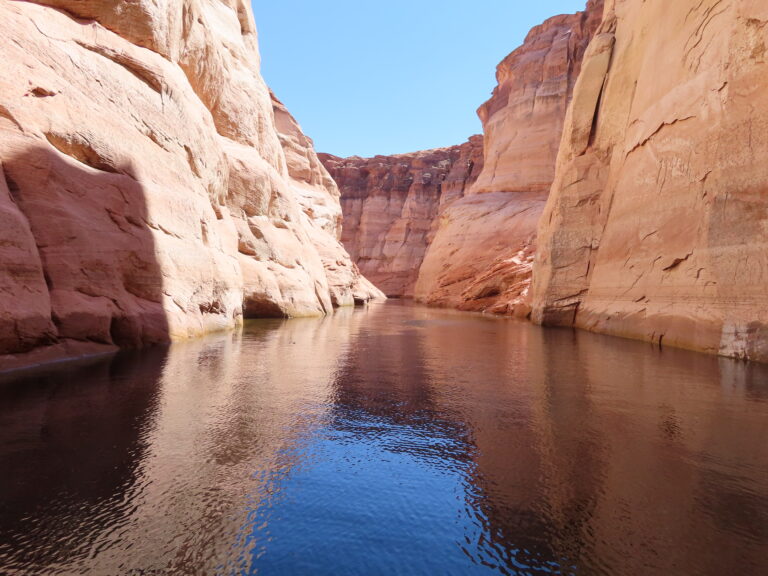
<point>76,438</point>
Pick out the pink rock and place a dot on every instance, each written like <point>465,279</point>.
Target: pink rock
<point>656,226</point>
<point>391,205</point>
<point>152,188</point>
<point>451,228</point>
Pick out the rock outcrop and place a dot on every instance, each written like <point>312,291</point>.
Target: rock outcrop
<point>454,229</point>
<point>391,205</point>
<point>482,254</point>
<point>656,226</point>
<point>523,120</point>
<point>151,187</point>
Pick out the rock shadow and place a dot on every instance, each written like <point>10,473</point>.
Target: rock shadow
<point>81,273</point>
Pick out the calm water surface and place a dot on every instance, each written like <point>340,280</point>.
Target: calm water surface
<point>389,440</point>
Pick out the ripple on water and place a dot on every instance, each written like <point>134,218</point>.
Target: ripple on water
<point>390,439</point>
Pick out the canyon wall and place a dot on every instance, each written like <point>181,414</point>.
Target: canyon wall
<point>152,188</point>
<point>656,225</point>
<point>470,245</point>
<point>391,205</point>
<point>482,254</point>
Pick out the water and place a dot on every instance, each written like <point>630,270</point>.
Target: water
<point>389,440</point>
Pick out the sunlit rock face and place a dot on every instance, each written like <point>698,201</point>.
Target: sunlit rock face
<point>391,207</point>
<point>656,226</point>
<point>456,227</point>
<point>523,120</point>
<point>152,188</point>
<point>482,254</point>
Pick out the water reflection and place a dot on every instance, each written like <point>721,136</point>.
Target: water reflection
<point>391,439</point>
<point>71,455</point>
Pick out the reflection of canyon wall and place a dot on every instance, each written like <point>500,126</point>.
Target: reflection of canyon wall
<point>391,206</point>
<point>477,243</point>
<point>616,459</point>
<point>68,450</point>
<point>567,462</point>
<point>566,465</point>
<point>151,187</point>
<point>687,437</point>
<point>166,445</point>
<point>230,416</point>
<point>656,226</point>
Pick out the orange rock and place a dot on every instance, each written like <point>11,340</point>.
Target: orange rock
<point>656,226</point>
<point>391,205</point>
<point>481,257</point>
<point>151,187</point>
<point>469,242</point>
<point>523,120</point>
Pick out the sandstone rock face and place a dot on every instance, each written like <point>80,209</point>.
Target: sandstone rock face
<point>523,120</point>
<point>152,189</point>
<point>656,226</point>
<point>391,205</point>
<point>482,254</point>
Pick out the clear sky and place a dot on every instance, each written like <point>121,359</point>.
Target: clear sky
<point>365,78</point>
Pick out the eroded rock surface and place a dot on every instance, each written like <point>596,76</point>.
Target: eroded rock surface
<point>152,189</point>
<point>482,254</point>
<point>523,120</point>
<point>391,205</point>
<point>451,227</point>
<point>656,226</point>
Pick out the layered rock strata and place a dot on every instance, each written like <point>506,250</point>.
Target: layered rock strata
<point>391,205</point>
<point>149,191</point>
<point>656,226</point>
<point>482,254</point>
<point>470,245</point>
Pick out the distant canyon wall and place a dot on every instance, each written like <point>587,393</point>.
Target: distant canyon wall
<point>391,206</point>
<point>482,255</point>
<point>472,249</point>
<point>657,224</point>
<point>151,188</point>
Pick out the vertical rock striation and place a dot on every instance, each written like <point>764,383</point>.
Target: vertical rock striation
<point>391,205</point>
<point>452,228</point>
<point>656,226</point>
<point>482,254</point>
<point>152,189</point>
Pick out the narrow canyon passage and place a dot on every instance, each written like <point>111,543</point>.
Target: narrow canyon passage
<point>201,374</point>
<point>384,439</point>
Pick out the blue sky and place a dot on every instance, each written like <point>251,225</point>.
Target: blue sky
<point>366,78</point>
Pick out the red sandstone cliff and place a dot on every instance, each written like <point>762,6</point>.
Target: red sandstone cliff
<point>656,226</point>
<point>149,190</point>
<point>391,203</point>
<point>473,248</point>
<point>523,120</point>
<point>482,254</point>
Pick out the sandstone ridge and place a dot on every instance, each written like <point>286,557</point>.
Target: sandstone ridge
<point>151,187</point>
<point>470,245</point>
<point>391,206</point>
